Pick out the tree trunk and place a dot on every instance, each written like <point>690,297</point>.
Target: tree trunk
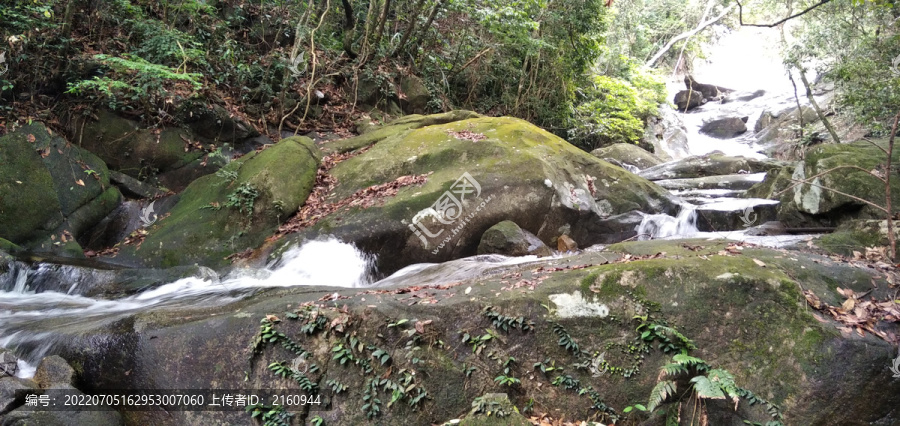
<point>413,18</point>
<point>349,27</point>
<point>812,101</point>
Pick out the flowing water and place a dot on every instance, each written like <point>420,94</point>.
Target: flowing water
<point>43,302</point>
<point>31,314</point>
<point>727,66</point>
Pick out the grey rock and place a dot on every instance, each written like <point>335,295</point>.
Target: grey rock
<point>8,363</point>
<point>739,182</point>
<point>725,128</point>
<point>627,153</point>
<point>133,187</point>
<point>713,164</point>
<point>54,372</point>
<point>9,387</point>
<point>509,239</point>
<point>688,99</point>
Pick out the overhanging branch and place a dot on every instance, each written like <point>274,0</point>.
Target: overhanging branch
<point>803,12</point>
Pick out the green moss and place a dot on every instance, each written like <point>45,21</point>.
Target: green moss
<point>8,246</point>
<point>845,242</point>
<point>202,228</point>
<point>29,206</point>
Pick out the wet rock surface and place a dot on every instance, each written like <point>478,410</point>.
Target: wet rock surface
<point>708,292</point>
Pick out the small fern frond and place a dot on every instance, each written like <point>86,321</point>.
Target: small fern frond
<point>672,370</point>
<point>706,389</point>
<point>660,393</point>
<point>687,360</point>
<point>725,381</point>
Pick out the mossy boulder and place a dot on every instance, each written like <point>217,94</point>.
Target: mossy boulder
<point>856,235</point>
<point>627,153</point>
<point>130,149</point>
<point>713,164</point>
<point>480,171</point>
<point>749,319</point>
<point>172,157</point>
<point>51,192</point>
<point>815,205</point>
<point>414,95</point>
<point>508,239</point>
<point>232,210</point>
<point>213,124</point>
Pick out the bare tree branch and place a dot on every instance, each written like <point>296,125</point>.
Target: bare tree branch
<point>688,34</point>
<point>869,172</point>
<point>803,12</point>
<point>806,181</point>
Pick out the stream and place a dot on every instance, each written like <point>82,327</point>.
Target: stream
<point>43,302</point>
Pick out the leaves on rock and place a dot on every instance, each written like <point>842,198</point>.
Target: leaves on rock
<point>315,208</point>
<point>860,315</point>
<point>467,135</point>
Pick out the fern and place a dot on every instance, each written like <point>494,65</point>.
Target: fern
<point>690,361</point>
<point>706,389</point>
<point>662,391</point>
<point>725,381</point>
<point>673,370</point>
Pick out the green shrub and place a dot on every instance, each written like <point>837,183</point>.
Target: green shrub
<point>615,111</point>
<point>134,80</point>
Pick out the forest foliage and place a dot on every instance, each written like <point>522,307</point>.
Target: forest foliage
<point>533,59</point>
<point>574,67</point>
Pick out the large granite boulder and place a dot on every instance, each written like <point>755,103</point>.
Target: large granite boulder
<point>742,307</point>
<point>479,171</point>
<point>820,203</point>
<point>712,164</point>
<point>51,192</point>
<point>667,134</point>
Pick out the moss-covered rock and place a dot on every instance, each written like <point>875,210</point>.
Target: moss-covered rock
<point>232,210</point>
<point>415,95</point>
<point>815,205</point>
<point>750,320</point>
<point>51,192</point>
<point>856,235</point>
<point>713,164</point>
<point>627,153</point>
<point>509,170</point>
<point>29,206</point>
<point>128,148</point>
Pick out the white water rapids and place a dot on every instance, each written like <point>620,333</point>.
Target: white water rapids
<point>28,317</point>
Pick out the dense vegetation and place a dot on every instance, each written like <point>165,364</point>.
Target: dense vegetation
<point>576,67</point>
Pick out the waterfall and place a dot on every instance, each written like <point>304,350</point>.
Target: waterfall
<point>656,226</point>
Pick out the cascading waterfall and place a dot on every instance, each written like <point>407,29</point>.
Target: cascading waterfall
<point>657,226</point>
<point>29,320</point>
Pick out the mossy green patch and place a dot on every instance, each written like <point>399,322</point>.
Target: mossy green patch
<point>217,216</point>
<point>28,202</point>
